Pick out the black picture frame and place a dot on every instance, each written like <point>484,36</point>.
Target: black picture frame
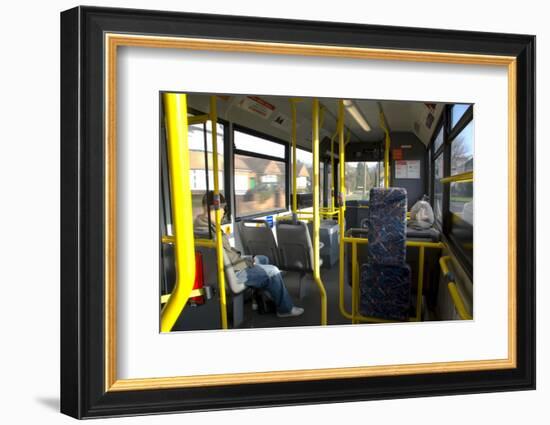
<point>83,392</point>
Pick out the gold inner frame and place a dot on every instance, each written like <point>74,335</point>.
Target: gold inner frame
<point>113,41</point>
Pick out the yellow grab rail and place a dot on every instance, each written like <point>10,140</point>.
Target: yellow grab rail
<point>194,293</point>
<point>355,316</point>
<point>175,105</point>
<point>387,145</point>
<point>453,291</point>
<point>354,282</point>
<point>207,243</point>
<point>316,216</point>
<point>467,177</point>
<point>332,170</point>
<point>197,119</point>
<point>294,161</point>
<point>341,206</point>
<point>420,284</point>
<point>217,211</point>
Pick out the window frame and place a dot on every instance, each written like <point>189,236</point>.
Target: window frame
<point>228,188</point>
<point>445,226</point>
<point>285,160</point>
<point>434,155</point>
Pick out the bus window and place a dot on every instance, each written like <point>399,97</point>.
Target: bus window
<point>462,150</point>
<point>259,177</point>
<point>438,188</point>
<point>304,177</point>
<point>254,144</point>
<point>361,177</point>
<point>328,182</point>
<point>304,171</point>
<point>200,157</point>
<point>438,142</point>
<point>461,201</point>
<point>457,111</point>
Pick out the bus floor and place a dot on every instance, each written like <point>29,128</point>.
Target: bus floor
<point>207,316</point>
<point>311,302</point>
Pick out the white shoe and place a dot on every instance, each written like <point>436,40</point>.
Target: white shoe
<point>296,311</point>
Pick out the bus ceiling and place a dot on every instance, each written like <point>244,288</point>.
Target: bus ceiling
<point>271,115</point>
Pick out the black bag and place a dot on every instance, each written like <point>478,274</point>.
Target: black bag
<point>265,303</point>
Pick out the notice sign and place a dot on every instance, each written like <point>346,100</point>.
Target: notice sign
<point>397,154</point>
<point>257,106</point>
<point>407,169</point>
<point>282,122</point>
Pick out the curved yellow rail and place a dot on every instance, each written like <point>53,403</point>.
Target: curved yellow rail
<point>467,177</point>
<point>387,145</point>
<point>316,215</point>
<point>175,106</point>
<point>453,291</point>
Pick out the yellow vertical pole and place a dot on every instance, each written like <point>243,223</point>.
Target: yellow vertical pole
<point>293,140</point>
<point>178,152</point>
<point>316,217</point>
<point>387,162</point>
<point>342,206</point>
<point>420,283</point>
<point>387,145</point>
<point>332,172</point>
<point>219,240</point>
<point>353,282</point>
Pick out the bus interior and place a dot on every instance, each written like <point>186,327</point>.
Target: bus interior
<point>365,207</point>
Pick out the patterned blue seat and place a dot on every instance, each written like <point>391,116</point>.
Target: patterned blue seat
<point>387,225</point>
<point>385,291</point>
<point>385,280</point>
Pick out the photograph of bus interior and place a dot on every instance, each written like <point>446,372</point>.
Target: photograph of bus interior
<point>322,211</point>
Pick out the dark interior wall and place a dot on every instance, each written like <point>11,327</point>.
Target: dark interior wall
<point>417,151</point>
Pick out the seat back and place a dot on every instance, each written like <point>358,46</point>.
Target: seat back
<point>295,247</point>
<point>211,270</point>
<point>231,278</point>
<point>356,212</point>
<point>257,239</point>
<point>387,226</point>
<point>385,279</point>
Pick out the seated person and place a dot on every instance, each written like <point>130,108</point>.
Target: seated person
<point>255,273</point>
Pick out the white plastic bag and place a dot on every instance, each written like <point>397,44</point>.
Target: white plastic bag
<point>422,214</point>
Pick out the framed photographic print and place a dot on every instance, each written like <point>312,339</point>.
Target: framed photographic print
<point>261,212</point>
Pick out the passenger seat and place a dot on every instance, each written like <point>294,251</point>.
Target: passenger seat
<point>257,239</point>
<point>385,281</point>
<point>295,248</point>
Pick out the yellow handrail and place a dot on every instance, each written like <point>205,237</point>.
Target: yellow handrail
<point>293,142</point>
<point>386,149</point>
<point>420,283</point>
<point>453,291</point>
<point>332,170</point>
<point>341,207</point>
<point>355,316</point>
<point>197,119</point>
<point>354,282</point>
<point>175,105</point>
<point>348,137</point>
<point>409,243</point>
<point>217,211</point>
<point>207,243</point>
<point>194,293</point>
<point>467,177</point>
<point>316,217</point>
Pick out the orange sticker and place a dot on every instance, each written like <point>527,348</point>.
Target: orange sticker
<point>397,154</point>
